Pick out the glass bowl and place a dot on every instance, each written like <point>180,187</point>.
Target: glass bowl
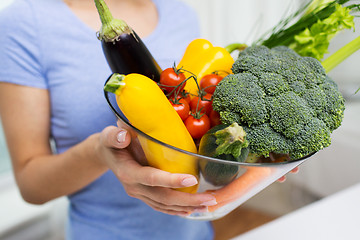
<point>232,183</point>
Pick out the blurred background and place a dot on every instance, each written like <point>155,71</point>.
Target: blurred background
<point>223,22</point>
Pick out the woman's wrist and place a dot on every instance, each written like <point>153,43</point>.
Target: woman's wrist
<point>96,150</point>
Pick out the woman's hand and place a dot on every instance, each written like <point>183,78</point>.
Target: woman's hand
<point>283,178</point>
<point>153,186</point>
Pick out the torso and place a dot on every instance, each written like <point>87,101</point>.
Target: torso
<point>72,67</point>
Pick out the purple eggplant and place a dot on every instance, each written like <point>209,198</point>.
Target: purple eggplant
<point>124,50</point>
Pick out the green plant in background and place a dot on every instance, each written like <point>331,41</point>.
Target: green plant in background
<point>314,40</point>
<point>315,25</point>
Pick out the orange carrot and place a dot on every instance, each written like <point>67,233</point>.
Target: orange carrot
<point>239,186</point>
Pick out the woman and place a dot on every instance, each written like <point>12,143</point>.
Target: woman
<point>52,70</point>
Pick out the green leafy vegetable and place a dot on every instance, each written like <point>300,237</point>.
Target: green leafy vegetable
<point>314,41</point>
<point>315,25</point>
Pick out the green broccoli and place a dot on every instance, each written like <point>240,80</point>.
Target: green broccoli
<point>244,97</point>
<point>314,136</point>
<point>267,140</point>
<point>285,102</point>
<point>289,112</point>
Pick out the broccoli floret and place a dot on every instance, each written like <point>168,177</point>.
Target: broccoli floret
<point>316,66</point>
<point>289,113</point>
<point>249,64</point>
<point>314,97</point>
<point>242,96</point>
<point>284,52</point>
<point>311,138</point>
<point>285,102</point>
<point>312,73</point>
<point>333,112</point>
<point>297,87</point>
<point>259,52</point>
<point>273,83</point>
<point>263,140</point>
<point>230,117</point>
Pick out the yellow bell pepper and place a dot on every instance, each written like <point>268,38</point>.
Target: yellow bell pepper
<point>147,108</point>
<point>202,58</point>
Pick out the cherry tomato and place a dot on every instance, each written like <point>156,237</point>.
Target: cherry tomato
<point>203,106</point>
<point>209,82</point>
<point>185,95</point>
<point>181,107</point>
<point>214,118</point>
<point>171,79</point>
<point>197,127</point>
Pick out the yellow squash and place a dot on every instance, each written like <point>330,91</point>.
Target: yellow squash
<point>202,58</point>
<point>146,107</point>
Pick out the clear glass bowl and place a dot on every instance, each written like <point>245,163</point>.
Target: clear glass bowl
<point>232,183</point>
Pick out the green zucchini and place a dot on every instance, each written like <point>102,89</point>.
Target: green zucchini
<point>226,142</point>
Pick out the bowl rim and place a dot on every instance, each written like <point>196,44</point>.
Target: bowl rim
<point>138,131</point>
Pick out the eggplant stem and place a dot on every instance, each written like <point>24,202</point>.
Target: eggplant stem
<point>104,12</point>
<point>111,28</point>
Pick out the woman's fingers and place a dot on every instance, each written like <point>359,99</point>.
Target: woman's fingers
<point>170,197</point>
<point>174,202</point>
<point>283,178</point>
<point>147,183</point>
<point>114,137</point>
<point>155,177</point>
<point>158,185</point>
<point>153,186</point>
<point>173,209</point>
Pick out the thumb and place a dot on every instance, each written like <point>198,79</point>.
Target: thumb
<point>114,137</point>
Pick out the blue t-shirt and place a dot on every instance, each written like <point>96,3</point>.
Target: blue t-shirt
<point>44,45</point>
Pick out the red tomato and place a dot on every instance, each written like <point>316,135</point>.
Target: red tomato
<point>209,82</point>
<point>203,106</point>
<point>181,107</point>
<point>214,118</point>
<point>197,127</point>
<point>172,80</point>
<point>185,95</point>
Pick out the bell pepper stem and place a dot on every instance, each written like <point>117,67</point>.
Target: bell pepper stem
<point>235,46</point>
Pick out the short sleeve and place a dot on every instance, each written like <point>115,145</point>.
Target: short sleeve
<point>20,57</point>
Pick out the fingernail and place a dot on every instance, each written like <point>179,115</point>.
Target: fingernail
<point>201,210</point>
<point>282,179</point>
<point>209,203</point>
<point>189,181</point>
<point>121,136</point>
<point>183,214</point>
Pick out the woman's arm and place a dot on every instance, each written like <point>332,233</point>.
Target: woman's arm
<point>42,176</point>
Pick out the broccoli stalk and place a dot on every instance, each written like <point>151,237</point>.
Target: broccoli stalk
<point>224,142</point>
<point>227,142</point>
